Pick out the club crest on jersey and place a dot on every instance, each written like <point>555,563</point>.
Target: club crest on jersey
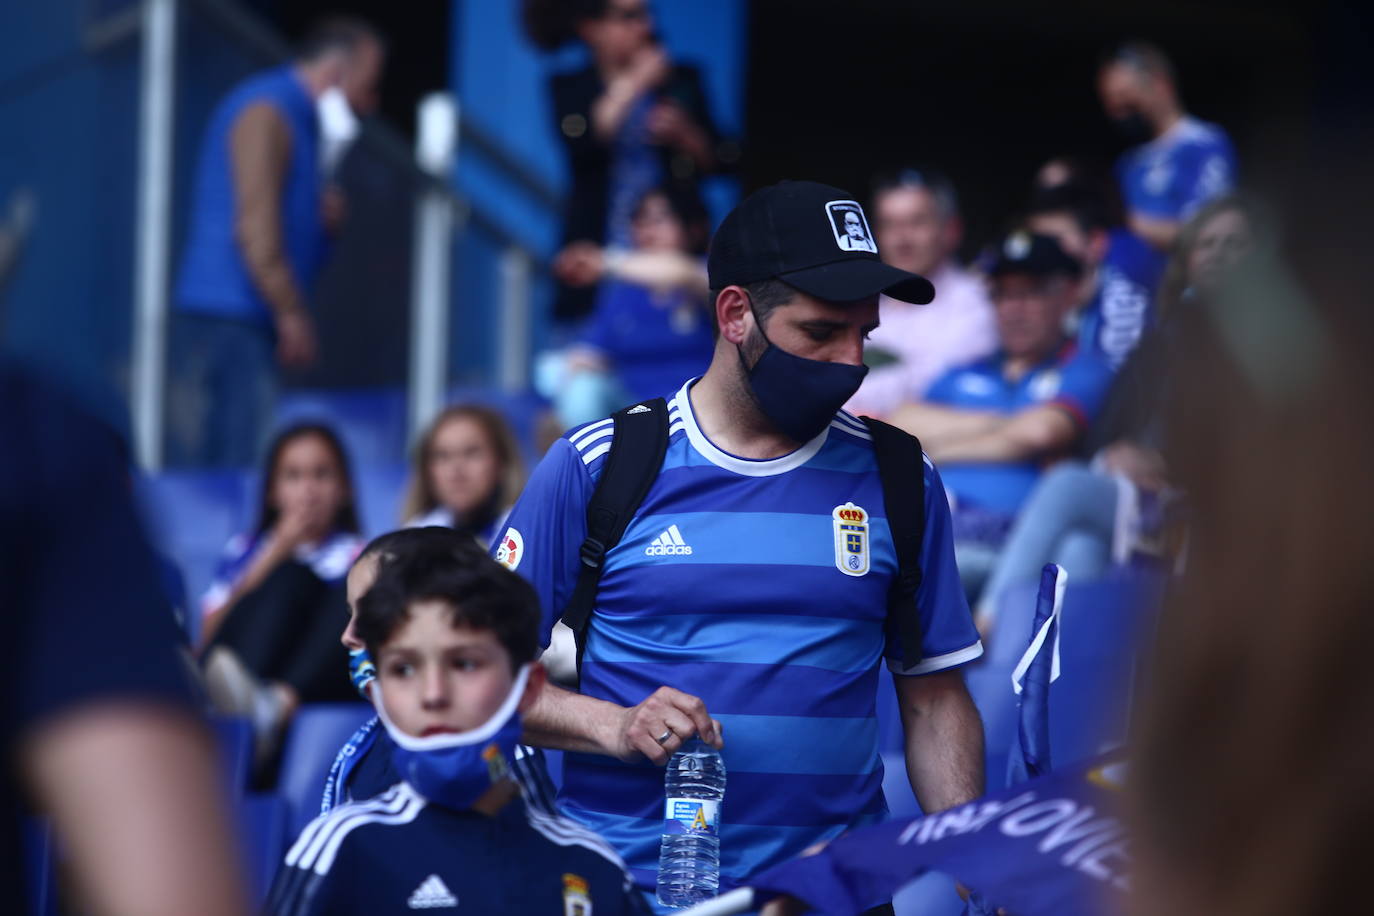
<point>851,539</point>
<point>510,550</point>
<point>497,768</point>
<point>577,898</point>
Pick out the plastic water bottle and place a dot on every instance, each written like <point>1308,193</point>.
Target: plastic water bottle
<point>689,858</point>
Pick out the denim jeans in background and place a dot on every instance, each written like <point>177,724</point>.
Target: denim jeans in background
<point>221,393</point>
<point>1068,519</point>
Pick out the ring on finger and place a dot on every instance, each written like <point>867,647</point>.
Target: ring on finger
<point>663,738</point>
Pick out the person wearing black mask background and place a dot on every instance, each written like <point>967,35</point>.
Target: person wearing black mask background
<point>1176,163</point>
<point>751,599</point>
<point>631,120</point>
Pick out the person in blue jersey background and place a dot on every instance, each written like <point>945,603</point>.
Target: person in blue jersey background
<point>1120,272</point>
<point>257,237</point>
<point>996,422</point>
<point>1176,162</point>
<point>729,609</point>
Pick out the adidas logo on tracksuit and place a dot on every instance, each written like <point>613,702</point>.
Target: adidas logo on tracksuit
<point>431,894</point>
<point>668,544</point>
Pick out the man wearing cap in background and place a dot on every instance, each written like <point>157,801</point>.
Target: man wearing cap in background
<point>726,609</point>
<point>994,423</point>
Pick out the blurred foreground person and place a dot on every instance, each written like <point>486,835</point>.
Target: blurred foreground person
<point>1176,162</point>
<point>258,235</point>
<point>98,728</point>
<point>1251,784</point>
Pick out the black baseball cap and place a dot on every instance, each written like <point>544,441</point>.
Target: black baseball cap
<point>810,236</point>
<point>1025,252</point>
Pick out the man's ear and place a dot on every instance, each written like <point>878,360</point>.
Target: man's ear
<point>733,315</point>
<point>538,678</point>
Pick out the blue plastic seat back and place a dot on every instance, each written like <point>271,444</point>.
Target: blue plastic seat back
<point>261,822</point>
<point>190,516</point>
<point>234,737</point>
<point>312,742</point>
<point>371,422</point>
<point>40,883</point>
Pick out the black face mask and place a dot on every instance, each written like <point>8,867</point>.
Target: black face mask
<point>1134,128</point>
<point>799,396</point>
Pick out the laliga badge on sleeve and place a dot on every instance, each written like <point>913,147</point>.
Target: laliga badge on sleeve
<point>851,539</point>
<point>577,900</point>
<point>510,549</point>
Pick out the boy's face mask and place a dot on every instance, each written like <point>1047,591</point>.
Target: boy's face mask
<point>361,671</point>
<point>456,770</point>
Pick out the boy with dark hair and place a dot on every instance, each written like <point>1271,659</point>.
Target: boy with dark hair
<point>455,645</point>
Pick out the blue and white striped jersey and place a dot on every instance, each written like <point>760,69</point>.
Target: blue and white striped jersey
<point>398,852</point>
<point>761,587</point>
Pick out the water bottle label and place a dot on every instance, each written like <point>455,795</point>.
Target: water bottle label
<point>693,816</point>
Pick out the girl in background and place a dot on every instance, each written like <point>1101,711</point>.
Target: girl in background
<point>466,473</point>
<point>271,616</point>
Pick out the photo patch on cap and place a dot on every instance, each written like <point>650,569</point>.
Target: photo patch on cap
<point>850,226</point>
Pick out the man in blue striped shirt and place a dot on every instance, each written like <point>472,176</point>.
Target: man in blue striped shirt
<point>747,601</point>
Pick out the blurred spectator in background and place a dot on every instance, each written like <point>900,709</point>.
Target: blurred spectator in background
<point>993,424</point>
<point>98,730</point>
<point>1084,517</point>
<point>1120,272</point>
<point>1250,782</point>
<point>273,612</point>
<point>916,213</point>
<point>650,328</point>
<point>631,120</point>
<point>466,473</point>
<point>258,234</point>
<point>1176,163</point>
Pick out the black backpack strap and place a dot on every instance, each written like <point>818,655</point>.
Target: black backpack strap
<point>632,466</point>
<point>901,468</point>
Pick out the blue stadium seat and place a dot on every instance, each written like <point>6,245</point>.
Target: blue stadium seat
<point>38,867</point>
<point>190,516</point>
<point>1102,623</point>
<point>312,741</point>
<point>370,421</point>
<point>380,491</point>
<point>234,735</point>
<point>261,822</point>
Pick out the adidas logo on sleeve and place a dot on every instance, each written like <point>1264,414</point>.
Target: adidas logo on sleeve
<point>432,894</point>
<point>669,544</point>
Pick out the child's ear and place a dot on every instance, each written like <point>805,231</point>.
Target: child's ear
<point>533,687</point>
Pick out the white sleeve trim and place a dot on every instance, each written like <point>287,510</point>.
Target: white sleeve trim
<point>940,662</point>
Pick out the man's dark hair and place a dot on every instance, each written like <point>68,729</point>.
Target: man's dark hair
<point>550,24</point>
<point>934,183</point>
<point>766,296</point>
<point>337,33</point>
<point>1084,205</point>
<point>481,594</point>
<point>1141,56</point>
